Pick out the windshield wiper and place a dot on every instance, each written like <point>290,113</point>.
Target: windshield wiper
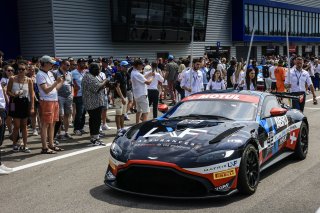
<point>202,116</point>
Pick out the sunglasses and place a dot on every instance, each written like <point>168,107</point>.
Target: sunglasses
<point>10,70</point>
<point>23,69</point>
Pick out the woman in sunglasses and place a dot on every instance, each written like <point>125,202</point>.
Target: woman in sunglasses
<point>20,90</point>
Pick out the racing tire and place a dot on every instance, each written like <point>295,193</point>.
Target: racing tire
<point>301,150</point>
<point>249,171</point>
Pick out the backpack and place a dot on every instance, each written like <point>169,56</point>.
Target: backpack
<point>265,72</point>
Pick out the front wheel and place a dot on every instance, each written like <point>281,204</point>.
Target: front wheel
<point>249,172</point>
<point>301,150</point>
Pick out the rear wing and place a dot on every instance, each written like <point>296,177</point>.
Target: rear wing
<point>288,95</point>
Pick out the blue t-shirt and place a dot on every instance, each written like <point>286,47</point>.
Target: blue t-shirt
<point>77,79</point>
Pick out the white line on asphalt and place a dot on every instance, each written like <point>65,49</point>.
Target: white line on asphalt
<point>312,99</point>
<point>318,211</point>
<point>58,158</point>
<point>311,108</point>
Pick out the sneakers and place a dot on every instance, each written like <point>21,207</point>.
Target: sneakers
<point>97,142</point>
<point>15,148</point>
<point>83,131</point>
<point>77,132</point>
<point>61,138</point>
<point>102,135</point>
<point>68,136</point>
<point>126,117</point>
<point>35,132</point>
<point>5,170</point>
<point>105,127</point>
<point>24,149</point>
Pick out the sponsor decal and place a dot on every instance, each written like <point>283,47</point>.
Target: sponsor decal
<point>236,97</point>
<point>281,121</point>
<point>223,188</point>
<point>293,138</point>
<point>216,167</point>
<point>174,134</point>
<point>224,174</point>
<point>281,136</point>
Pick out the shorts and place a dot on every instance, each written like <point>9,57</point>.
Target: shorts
<point>120,108</point>
<point>65,106</point>
<point>19,108</point>
<point>49,111</point>
<point>105,102</point>
<point>142,104</point>
<point>129,95</point>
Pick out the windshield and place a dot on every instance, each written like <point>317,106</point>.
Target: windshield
<point>221,109</point>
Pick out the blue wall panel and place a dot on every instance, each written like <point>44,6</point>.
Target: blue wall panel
<point>9,36</point>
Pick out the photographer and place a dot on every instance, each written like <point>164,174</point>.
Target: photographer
<point>93,95</point>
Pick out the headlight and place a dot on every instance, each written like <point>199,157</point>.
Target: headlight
<point>115,149</point>
<point>217,155</point>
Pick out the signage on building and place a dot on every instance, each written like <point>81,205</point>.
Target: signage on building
<point>308,49</point>
<point>292,48</point>
<point>216,49</point>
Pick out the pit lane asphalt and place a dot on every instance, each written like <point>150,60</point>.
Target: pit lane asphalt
<point>75,184</point>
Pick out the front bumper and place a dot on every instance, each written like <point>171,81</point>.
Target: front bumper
<point>162,182</point>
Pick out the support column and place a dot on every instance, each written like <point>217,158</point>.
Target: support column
<point>316,49</point>
<point>259,53</point>
<point>281,51</point>
<point>300,50</point>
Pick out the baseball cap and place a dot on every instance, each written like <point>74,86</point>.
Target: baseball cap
<point>170,57</point>
<point>81,60</point>
<point>147,68</point>
<point>47,59</point>
<point>124,63</point>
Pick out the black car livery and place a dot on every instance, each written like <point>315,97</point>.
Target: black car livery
<point>209,144</point>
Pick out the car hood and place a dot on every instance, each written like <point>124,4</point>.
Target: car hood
<point>177,140</point>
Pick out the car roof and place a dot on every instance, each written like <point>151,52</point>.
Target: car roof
<point>244,95</point>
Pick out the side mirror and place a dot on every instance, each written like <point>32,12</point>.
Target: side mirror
<point>163,108</point>
<point>278,111</point>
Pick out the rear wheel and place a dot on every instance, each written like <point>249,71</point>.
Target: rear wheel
<point>249,172</point>
<point>301,150</point>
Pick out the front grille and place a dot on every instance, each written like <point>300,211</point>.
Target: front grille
<point>161,181</point>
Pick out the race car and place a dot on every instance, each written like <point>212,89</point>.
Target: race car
<point>209,144</point>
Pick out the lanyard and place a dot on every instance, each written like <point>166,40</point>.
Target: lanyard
<point>298,78</point>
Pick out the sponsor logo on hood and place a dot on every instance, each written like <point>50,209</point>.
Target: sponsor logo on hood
<point>217,167</point>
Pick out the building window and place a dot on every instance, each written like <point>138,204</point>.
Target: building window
<point>158,20</point>
<point>273,21</point>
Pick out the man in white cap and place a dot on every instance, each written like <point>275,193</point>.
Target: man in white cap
<point>49,106</point>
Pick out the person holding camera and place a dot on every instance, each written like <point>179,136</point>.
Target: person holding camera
<point>49,106</point>
<point>65,98</point>
<point>93,100</point>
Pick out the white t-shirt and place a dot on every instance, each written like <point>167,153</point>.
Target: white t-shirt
<point>101,78</point>
<point>139,88</point>
<point>240,78</point>
<point>48,79</point>
<point>271,71</point>
<point>298,80</point>
<point>2,99</point>
<point>4,81</point>
<point>251,87</point>
<point>192,79</point>
<point>216,85</point>
<point>155,81</point>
